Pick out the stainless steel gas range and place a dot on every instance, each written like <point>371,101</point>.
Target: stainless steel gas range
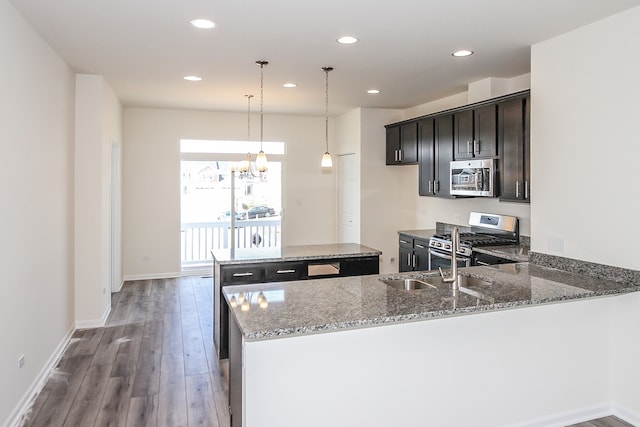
<point>484,230</point>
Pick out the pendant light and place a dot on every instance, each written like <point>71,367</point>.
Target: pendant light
<point>261,159</point>
<point>246,164</point>
<point>326,159</point>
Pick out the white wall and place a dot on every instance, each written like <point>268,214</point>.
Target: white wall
<point>151,166</point>
<point>36,171</point>
<point>585,145</point>
<point>584,130</point>
<point>97,127</point>
<point>534,366</point>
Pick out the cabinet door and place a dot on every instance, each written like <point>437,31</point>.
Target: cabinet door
<point>463,134</point>
<point>393,144</point>
<point>527,149</point>
<point>421,253</point>
<point>485,135</point>
<point>511,142</point>
<point>405,259</point>
<point>409,143</point>
<point>426,158</point>
<point>443,154</point>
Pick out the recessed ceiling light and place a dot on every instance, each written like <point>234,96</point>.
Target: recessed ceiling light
<point>193,78</point>
<point>203,24</point>
<point>289,85</point>
<point>373,91</point>
<point>461,53</point>
<point>347,40</point>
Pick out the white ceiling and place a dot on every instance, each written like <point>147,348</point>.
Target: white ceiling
<point>145,48</point>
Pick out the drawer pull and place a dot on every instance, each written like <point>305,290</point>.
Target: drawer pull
<point>285,271</point>
<point>419,246</point>
<point>242,274</point>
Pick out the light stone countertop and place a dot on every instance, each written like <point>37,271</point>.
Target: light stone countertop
<point>325,305</point>
<point>293,253</point>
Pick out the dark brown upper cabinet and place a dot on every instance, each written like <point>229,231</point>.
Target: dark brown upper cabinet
<point>402,144</point>
<point>475,133</point>
<point>513,117</point>
<point>435,136</point>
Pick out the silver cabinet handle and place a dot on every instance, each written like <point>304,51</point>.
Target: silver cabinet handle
<point>430,187</point>
<point>403,241</point>
<point>285,271</point>
<point>395,155</point>
<point>436,187</point>
<point>468,147</point>
<point>408,260</point>
<point>476,146</point>
<point>517,189</point>
<point>526,189</point>
<point>242,274</point>
<point>399,155</point>
<point>419,246</point>
<point>482,263</point>
<point>414,261</point>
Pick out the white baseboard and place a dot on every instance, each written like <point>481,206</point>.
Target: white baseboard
<point>569,418</point>
<point>151,276</point>
<point>22,409</point>
<point>97,323</point>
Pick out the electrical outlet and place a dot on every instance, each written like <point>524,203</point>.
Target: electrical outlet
<point>21,361</point>
<point>392,260</point>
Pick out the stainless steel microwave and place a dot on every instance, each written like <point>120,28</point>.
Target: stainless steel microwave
<point>473,177</point>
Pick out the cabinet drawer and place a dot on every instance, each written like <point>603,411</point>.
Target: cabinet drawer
<point>233,275</point>
<point>282,271</point>
<point>405,242</point>
<point>420,244</point>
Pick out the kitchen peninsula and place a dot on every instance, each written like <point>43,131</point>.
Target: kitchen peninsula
<point>517,344</point>
<point>278,264</point>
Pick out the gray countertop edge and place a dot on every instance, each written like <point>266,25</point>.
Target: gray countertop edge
<point>428,315</point>
<point>363,251</point>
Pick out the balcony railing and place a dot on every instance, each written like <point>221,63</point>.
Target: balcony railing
<point>199,238</point>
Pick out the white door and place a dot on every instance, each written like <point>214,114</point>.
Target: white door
<point>348,199</point>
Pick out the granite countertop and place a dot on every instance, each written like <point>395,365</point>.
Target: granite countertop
<point>324,305</point>
<point>419,234</point>
<point>516,253</point>
<point>292,253</point>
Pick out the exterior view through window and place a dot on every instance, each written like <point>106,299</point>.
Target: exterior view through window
<point>209,193</point>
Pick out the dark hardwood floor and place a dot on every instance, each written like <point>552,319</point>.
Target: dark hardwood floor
<point>153,364</point>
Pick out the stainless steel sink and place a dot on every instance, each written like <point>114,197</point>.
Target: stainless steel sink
<point>408,284</point>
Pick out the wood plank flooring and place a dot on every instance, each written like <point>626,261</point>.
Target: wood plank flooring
<point>153,364</point>
<point>604,422</point>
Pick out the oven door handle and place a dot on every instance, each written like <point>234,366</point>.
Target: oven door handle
<point>447,256</point>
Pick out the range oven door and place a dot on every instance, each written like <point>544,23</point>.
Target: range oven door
<point>443,260</point>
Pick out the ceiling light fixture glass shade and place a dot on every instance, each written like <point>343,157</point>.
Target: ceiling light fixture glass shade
<point>326,158</point>
<point>261,159</point>
<point>246,163</point>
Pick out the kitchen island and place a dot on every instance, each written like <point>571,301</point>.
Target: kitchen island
<point>277,264</point>
<point>520,344</point>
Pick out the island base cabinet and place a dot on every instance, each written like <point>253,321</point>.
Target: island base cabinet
<point>540,365</point>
